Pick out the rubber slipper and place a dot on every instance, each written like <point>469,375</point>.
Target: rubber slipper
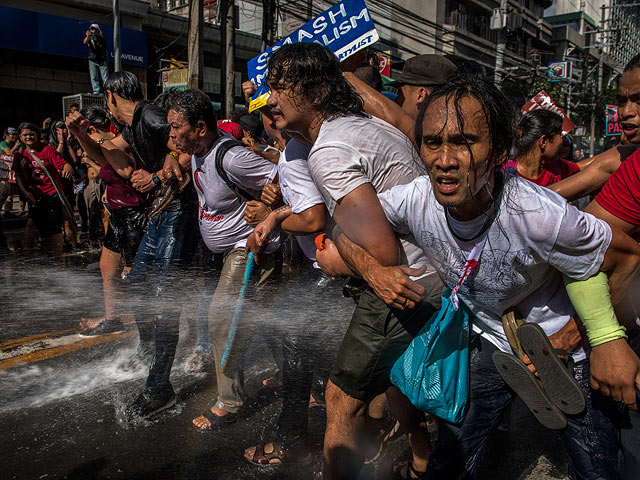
<point>516,374</point>
<point>216,422</point>
<point>277,456</point>
<point>556,377</point>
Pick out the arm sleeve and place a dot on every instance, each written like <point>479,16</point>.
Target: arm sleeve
<point>298,188</point>
<point>337,171</point>
<point>620,196</point>
<point>580,245</point>
<point>395,203</point>
<point>592,302</point>
<point>248,170</point>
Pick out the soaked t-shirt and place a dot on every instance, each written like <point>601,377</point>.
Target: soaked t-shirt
<point>221,215</point>
<point>356,149</point>
<point>535,238</point>
<point>148,135</point>
<point>120,193</point>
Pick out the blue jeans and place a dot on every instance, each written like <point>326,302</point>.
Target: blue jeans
<point>590,439</point>
<point>98,72</point>
<point>157,287</point>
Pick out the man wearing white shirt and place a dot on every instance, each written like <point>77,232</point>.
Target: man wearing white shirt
<point>225,231</point>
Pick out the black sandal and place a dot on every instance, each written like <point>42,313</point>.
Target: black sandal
<point>411,472</point>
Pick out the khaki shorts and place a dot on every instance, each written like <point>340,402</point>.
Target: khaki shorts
<point>376,338</point>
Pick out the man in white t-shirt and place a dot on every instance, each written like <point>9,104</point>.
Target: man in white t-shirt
<point>529,238</point>
<point>353,157</point>
<point>223,188</point>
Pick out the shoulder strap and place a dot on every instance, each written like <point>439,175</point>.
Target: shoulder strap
<point>224,147</point>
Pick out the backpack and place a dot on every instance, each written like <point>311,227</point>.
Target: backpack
<point>224,147</point>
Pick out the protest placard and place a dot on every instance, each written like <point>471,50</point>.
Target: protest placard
<point>345,29</point>
<point>611,121</point>
<point>543,100</point>
<point>6,161</point>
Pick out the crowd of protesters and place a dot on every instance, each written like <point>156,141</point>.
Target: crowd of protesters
<point>333,189</point>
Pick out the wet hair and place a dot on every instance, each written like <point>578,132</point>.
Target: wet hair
<point>497,109</point>
<point>195,106</point>
<point>533,125</point>
<point>633,64</point>
<point>124,84</point>
<point>370,75</point>
<point>96,115</point>
<point>313,71</point>
<point>29,126</point>
<point>166,98</point>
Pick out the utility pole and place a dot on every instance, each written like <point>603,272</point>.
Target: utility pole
<point>598,85</point>
<point>194,51</point>
<point>268,23</point>
<point>309,9</point>
<point>117,56</point>
<point>501,45</point>
<point>227,31</point>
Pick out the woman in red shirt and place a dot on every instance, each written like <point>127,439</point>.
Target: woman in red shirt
<point>538,139</point>
<point>38,188</point>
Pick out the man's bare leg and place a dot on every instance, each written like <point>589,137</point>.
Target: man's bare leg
<point>376,407</point>
<point>343,457</point>
<point>414,424</point>
<point>53,245</point>
<point>30,232</point>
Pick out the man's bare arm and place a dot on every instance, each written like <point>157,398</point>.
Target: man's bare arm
<point>360,216</point>
<point>597,211</point>
<point>596,173</point>
<point>391,284</point>
<point>382,107</point>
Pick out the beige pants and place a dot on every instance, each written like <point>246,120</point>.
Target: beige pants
<point>223,305</point>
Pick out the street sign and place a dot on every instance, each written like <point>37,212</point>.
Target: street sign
<point>558,71</point>
<point>345,29</point>
<point>176,78</point>
<point>611,121</point>
<point>543,100</point>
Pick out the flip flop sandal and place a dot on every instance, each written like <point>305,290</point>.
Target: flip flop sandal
<point>200,362</point>
<point>216,422</point>
<point>411,472</point>
<point>516,374</point>
<point>277,456</point>
<point>555,374</point>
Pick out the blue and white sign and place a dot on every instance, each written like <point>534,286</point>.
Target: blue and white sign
<point>54,35</point>
<point>345,29</point>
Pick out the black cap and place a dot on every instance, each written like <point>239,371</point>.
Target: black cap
<point>426,70</point>
<point>251,123</point>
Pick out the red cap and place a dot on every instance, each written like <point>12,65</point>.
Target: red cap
<point>232,128</point>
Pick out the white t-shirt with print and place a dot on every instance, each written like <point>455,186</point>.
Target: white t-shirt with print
<point>353,150</point>
<point>221,210</point>
<point>299,191</point>
<point>535,238</point>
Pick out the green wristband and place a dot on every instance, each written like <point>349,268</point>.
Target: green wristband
<point>592,302</point>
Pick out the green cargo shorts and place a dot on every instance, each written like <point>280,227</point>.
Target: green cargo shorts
<point>376,338</point>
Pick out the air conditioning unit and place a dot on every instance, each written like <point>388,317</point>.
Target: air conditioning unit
<point>498,19</point>
<point>82,99</point>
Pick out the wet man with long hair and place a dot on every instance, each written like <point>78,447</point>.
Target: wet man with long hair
<point>529,239</point>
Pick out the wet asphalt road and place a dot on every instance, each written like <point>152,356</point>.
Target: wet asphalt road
<point>61,417</point>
